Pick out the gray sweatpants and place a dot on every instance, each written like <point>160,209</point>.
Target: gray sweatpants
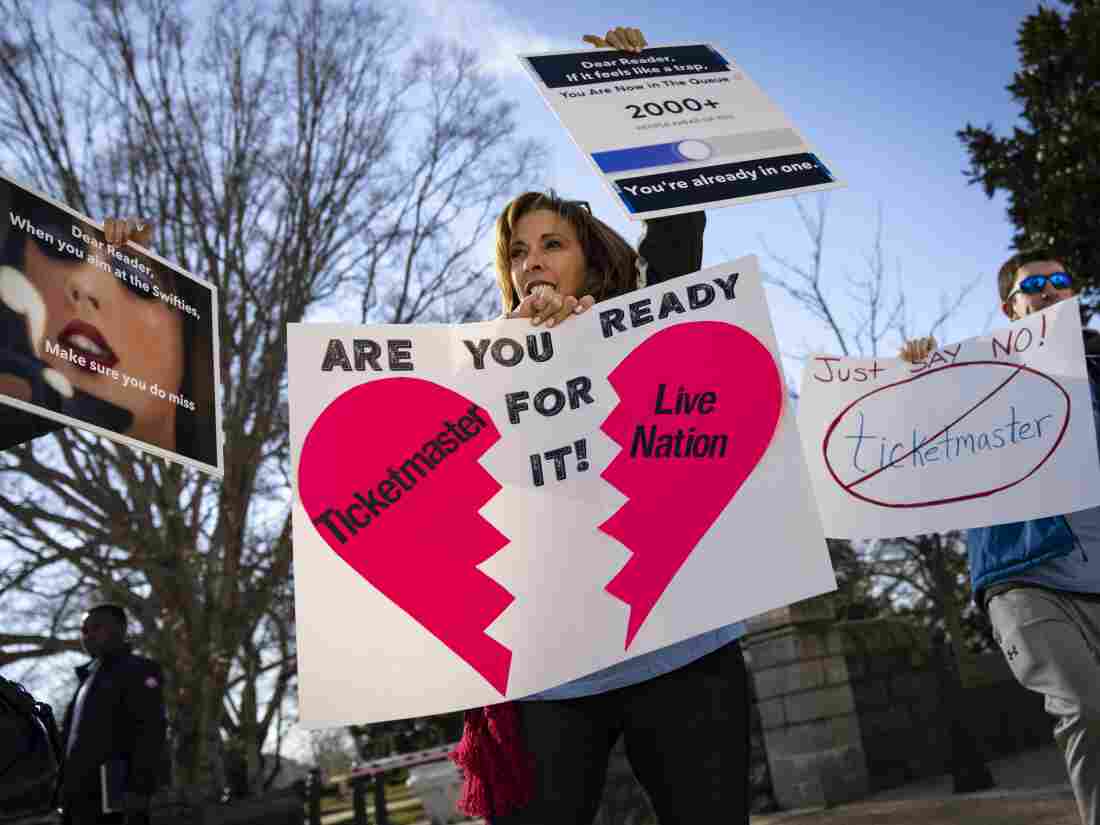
<point>1051,641</point>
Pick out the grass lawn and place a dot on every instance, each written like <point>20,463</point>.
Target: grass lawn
<point>407,817</point>
<point>396,792</point>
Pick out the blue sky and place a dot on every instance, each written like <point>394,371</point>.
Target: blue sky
<point>879,89</point>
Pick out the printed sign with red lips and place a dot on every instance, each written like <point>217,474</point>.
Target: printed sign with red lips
<point>114,340</point>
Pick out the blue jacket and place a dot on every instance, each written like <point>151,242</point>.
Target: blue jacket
<point>1005,550</point>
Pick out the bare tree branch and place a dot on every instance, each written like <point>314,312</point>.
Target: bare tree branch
<point>297,157</point>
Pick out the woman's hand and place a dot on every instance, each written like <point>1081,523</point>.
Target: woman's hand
<point>120,231</point>
<point>917,350</point>
<point>622,38</point>
<point>547,305</point>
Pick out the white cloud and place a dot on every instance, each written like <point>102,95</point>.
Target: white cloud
<point>489,28</point>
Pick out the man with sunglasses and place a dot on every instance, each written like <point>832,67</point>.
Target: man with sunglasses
<point>1032,286</point>
<point>1039,580</point>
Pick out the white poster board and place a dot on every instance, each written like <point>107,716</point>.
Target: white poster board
<point>991,430</point>
<point>484,511</point>
<point>677,128</point>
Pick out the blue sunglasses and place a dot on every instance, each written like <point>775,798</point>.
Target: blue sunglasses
<point>1034,284</point>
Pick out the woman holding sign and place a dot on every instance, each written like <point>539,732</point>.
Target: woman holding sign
<point>683,711</point>
<point>87,330</point>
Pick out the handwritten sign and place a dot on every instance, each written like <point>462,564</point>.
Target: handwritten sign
<point>677,128</point>
<point>990,430</point>
<point>115,340</point>
<point>488,510</point>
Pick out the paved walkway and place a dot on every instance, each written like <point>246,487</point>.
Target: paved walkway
<point>1031,790</point>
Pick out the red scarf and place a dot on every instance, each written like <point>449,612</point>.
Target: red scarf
<point>498,771</point>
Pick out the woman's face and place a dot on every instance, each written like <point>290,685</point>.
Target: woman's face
<point>545,250</point>
<point>91,314</point>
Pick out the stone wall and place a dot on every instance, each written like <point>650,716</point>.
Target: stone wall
<point>850,708</point>
<point>897,698</point>
<point>1005,717</point>
<point>807,707</point>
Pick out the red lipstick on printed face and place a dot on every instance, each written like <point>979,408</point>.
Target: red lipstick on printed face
<point>84,339</point>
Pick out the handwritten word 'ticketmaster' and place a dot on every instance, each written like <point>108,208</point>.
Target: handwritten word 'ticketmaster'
<point>951,445</point>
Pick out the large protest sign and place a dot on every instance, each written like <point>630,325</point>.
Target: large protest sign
<point>487,510</point>
<point>991,430</point>
<point>677,128</point>
<point>115,340</point>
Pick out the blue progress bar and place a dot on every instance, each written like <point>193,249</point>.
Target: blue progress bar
<point>694,150</point>
<point>640,157</point>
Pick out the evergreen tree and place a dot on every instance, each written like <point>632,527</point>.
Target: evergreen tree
<point>1050,166</point>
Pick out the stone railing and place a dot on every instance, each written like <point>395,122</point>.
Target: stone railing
<point>852,707</point>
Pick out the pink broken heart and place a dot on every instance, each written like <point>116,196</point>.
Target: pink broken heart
<point>699,404</point>
<point>390,478</point>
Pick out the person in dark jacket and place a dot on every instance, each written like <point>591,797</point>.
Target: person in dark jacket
<point>30,754</point>
<point>1039,580</point>
<point>116,718</point>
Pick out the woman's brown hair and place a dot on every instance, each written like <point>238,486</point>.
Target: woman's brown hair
<point>611,261</point>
